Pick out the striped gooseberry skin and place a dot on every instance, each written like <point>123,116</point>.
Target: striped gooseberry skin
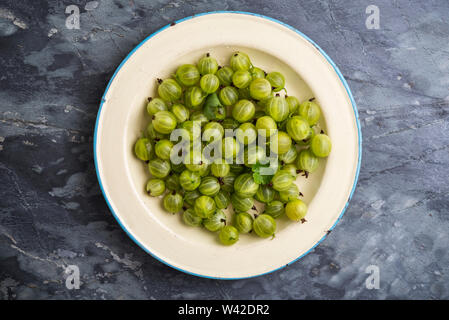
<point>172,182</point>
<point>246,133</point>
<point>240,61</point>
<point>293,103</point>
<point>282,180</point>
<point>243,110</point>
<point>310,111</point>
<point>290,156</point>
<point>266,126</point>
<point>228,95</point>
<point>188,75</point>
<point>190,218</point>
<point>180,112</point>
<point>155,187</point>
<point>227,183</point>
<point>189,180</point>
<point>257,73</point>
<point>155,105</point>
<point>284,143</point>
<point>222,199</point>
<point>153,134</point>
<point>243,221</point>
<point>159,168</point>
<point>163,149</point>
<point>225,76</point>
<point>290,168</point>
<point>274,208</point>
<point>241,204</point>
<point>207,65</point>
<point>216,222</point>
<point>292,193</point>
<point>191,196</point>
<point>298,128</point>
<point>245,185</point>
<point>143,149</point>
<point>264,226</point>
<point>241,79</point>
<point>277,108</point>
<point>228,235</point>
<point>265,194</point>
<point>173,202</point>
<point>209,186</point>
<point>194,97</point>
<point>260,89</point>
<point>164,122</point>
<point>296,210</point>
<point>220,168</point>
<point>277,80</point>
<point>199,117</point>
<point>307,161</point>
<point>204,206</point>
<point>169,90</point>
<point>209,83</point>
<point>321,145</point>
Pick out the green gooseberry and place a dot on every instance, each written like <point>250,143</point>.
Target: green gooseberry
<point>188,75</point>
<point>155,187</point>
<point>155,105</point>
<point>274,208</point>
<point>260,89</point>
<point>164,122</point>
<point>207,65</point>
<point>240,61</point>
<point>159,168</point>
<point>243,110</point>
<point>296,210</point>
<point>228,235</point>
<point>191,219</point>
<point>204,206</point>
<point>241,79</point>
<point>307,161</point>
<point>243,221</point>
<point>228,95</point>
<point>225,75</point>
<point>298,128</point>
<point>209,83</point>
<point>189,180</point>
<point>169,90</point>
<point>180,112</point>
<point>143,149</point>
<point>216,222</point>
<point>264,226</point>
<point>277,80</point>
<point>321,145</point>
<point>173,202</point>
<point>282,180</point>
<point>310,111</point>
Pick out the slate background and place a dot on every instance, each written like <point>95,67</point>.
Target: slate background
<point>52,212</point>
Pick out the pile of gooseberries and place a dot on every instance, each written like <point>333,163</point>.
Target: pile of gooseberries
<point>244,116</point>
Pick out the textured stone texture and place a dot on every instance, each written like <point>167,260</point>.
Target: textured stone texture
<point>52,212</point>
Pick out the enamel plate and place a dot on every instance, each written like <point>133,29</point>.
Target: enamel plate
<point>272,46</point>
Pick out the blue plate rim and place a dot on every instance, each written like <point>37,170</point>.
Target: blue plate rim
<point>342,79</point>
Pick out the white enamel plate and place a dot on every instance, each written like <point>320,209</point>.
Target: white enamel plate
<point>273,46</point>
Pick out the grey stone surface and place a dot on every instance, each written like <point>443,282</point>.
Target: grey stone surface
<point>52,213</point>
